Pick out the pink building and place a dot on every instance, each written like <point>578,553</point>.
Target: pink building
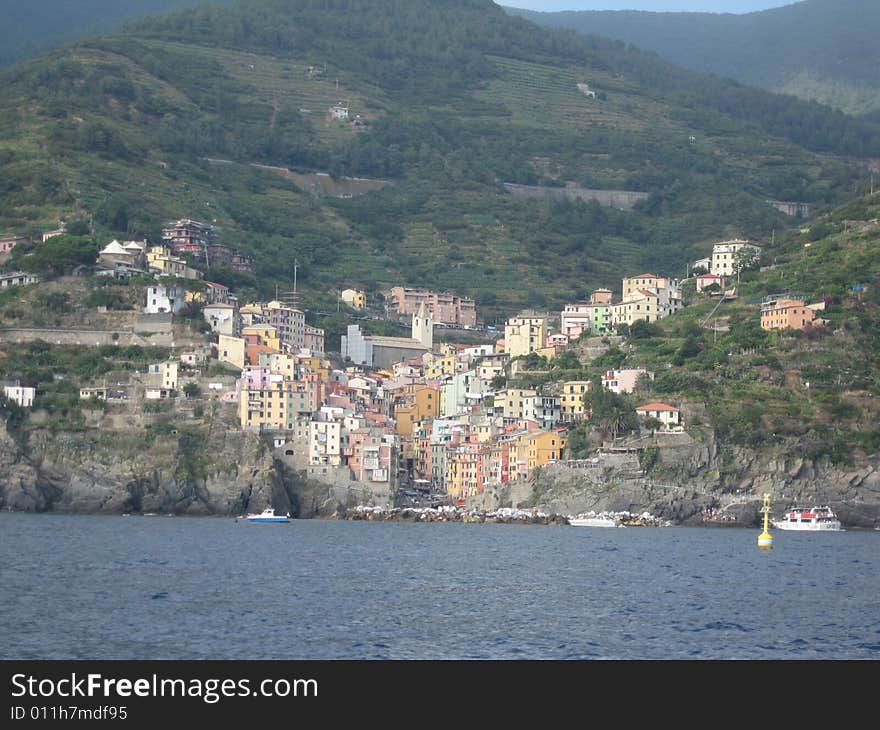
<point>624,381</point>
<point>704,280</point>
<point>445,308</point>
<point>369,455</point>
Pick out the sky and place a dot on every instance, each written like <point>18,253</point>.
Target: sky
<point>669,6</point>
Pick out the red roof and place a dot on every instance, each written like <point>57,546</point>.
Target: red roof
<point>657,407</point>
<point>645,276</point>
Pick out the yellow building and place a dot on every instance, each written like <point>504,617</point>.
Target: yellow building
<point>518,460</point>
<point>267,333</point>
<point>315,365</point>
<point>231,350</point>
<point>571,401</point>
<point>524,334</point>
<point>277,362</point>
<point>544,447</point>
<point>509,402</point>
<point>440,365</point>
<point>643,304</point>
<point>421,402</point>
<point>251,313</point>
<point>279,404</point>
<point>354,298</point>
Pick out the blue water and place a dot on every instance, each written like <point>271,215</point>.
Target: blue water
<point>76,587</point>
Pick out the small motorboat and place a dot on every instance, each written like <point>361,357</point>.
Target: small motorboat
<point>268,515</point>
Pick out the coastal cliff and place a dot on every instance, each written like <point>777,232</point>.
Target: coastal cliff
<point>229,472</point>
<point>703,482</point>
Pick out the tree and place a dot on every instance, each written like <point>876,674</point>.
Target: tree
<point>609,412</point>
<point>191,390</point>
<point>59,255</point>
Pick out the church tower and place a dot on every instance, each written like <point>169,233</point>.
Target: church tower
<point>423,327</point>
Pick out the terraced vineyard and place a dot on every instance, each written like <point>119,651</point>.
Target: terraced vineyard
<point>273,84</point>
<point>535,93</point>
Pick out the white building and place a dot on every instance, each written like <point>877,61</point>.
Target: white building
<point>222,318</point>
<point>729,257</point>
<point>669,416</point>
<point>164,298</point>
<point>20,394</point>
<point>624,381</point>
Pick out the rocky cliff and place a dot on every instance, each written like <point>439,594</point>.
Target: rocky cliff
<point>690,478</point>
<point>229,472</point>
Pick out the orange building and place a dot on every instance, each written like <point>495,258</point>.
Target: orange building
<point>781,313</point>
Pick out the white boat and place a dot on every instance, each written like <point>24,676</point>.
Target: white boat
<point>809,519</point>
<point>599,521</point>
<point>268,515</point>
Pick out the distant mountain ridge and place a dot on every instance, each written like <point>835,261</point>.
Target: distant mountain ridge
<point>822,50</point>
<point>30,27</point>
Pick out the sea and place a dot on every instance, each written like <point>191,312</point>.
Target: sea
<point>162,587</point>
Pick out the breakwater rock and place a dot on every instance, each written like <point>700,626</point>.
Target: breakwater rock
<point>504,515</point>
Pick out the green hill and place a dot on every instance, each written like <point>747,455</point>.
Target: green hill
<point>822,50</point>
<point>215,113</point>
<point>819,387</point>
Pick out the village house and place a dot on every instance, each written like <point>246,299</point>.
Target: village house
<point>667,291</point>
<point>186,236</point>
<point>780,312</point>
<point>22,395</point>
<point>9,242</point>
<point>100,393</point>
<point>18,278</point>
<point>625,380</point>
<point>130,254</point>
<point>231,350</point>
<point>354,298</point>
<point>524,334</point>
<point>729,257</point>
<point>160,260</point>
<point>706,280</point>
<point>509,403</point>
<point>490,366</point>
<point>163,375</point>
<point>222,318</point>
<point>313,340</point>
<point>642,305</point>
<point>571,401</point>
<point>164,298</point>
<point>289,322</point>
<point>325,438</point>
<point>669,416</point>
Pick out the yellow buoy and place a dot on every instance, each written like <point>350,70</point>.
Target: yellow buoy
<point>765,539</point>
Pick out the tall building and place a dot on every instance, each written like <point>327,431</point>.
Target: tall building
<point>444,308</point>
<point>189,236</point>
<point>524,334</point>
<point>728,257</point>
<point>289,322</point>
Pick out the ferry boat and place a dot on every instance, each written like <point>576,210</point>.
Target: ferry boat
<point>809,519</point>
<point>268,515</point>
<point>599,521</point>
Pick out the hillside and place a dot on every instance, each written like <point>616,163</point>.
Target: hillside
<point>822,50</point>
<point>215,113</point>
<point>812,394</point>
